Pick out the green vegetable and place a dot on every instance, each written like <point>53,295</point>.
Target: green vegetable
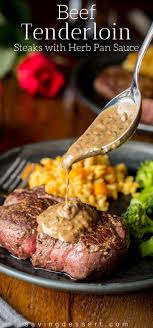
<point>146,197</point>
<point>137,220</point>
<point>145,174</point>
<point>139,215</point>
<point>146,248</point>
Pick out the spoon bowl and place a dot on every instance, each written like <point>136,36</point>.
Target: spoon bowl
<point>131,96</point>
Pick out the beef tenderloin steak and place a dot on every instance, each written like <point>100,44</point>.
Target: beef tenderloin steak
<point>18,220</point>
<point>97,252</point>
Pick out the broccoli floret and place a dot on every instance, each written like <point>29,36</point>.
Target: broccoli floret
<point>146,198</point>
<point>145,174</point>
<point>137,220</point>
<point>139,215</point>
<point>146,248</point>
<point>149,204</point>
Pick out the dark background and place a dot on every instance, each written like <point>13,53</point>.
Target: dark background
<point>45,13</point>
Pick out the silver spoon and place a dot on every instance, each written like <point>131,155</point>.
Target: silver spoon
<point>133,92</point>
<point>128,103</point>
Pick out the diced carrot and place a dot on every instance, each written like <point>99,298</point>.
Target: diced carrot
<point>100,188</point>
<point>78,171</point>
<point>109,169</point>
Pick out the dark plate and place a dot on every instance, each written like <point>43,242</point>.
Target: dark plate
<point>85,74</point>
<point>134,275</point>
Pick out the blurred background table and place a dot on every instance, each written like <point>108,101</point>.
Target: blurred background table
<point>26,119</point>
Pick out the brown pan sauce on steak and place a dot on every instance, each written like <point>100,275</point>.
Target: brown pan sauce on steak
<point>66,222</point>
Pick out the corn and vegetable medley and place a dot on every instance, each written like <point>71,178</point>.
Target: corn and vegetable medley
<point>94,180</point>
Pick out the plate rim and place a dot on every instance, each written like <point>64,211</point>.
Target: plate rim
<point>79,287</point>
<point>70,285</point>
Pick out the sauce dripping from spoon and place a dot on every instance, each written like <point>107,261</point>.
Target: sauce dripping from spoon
<point>69,220</point>
<point>103,135</point>
<point>67,185</point>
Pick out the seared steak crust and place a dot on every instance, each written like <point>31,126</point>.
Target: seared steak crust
<point>18,220</point>
<point>19,195</point>
<point>98,252</point>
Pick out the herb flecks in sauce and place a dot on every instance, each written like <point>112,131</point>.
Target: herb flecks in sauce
<point>103,134</point>
<point>67,222</point>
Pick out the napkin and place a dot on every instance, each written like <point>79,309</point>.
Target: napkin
<point>9,318</point>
